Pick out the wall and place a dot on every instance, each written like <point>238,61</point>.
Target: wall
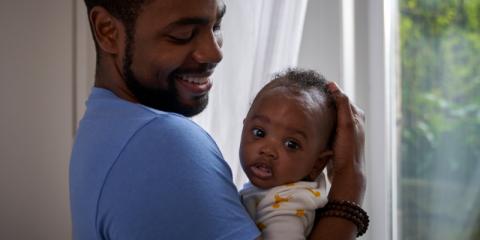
<point>36,123</point>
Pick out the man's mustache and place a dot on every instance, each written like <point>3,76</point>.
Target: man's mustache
<point>205,68</point>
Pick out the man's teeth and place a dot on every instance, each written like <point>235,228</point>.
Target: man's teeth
<point>195,80</point>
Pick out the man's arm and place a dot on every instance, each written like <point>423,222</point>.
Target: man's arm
<point>171,182</point>
<point>348,181</point>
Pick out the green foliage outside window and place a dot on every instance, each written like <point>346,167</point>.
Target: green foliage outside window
<point>440,119</point>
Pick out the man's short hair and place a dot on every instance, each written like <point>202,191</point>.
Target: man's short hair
<point>126,11</point>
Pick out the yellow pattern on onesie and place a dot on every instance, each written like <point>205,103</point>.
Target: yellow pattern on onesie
<point>279,200</point>
<point>287,211</point>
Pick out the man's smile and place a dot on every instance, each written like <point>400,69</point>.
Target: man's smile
<point>197,83</point>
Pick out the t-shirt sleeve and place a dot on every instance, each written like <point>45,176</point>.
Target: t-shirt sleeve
<point>171,182</point>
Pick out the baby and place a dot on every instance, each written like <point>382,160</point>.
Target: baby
<point>284,148</point>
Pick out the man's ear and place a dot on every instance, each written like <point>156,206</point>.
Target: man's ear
<point>320,164</point>
<point>106,30</point>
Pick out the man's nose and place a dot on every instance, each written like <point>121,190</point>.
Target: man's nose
<point>209,49</point>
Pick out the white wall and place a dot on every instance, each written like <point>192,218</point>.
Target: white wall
<point>36,123</point>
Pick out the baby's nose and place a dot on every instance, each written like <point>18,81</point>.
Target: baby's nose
<point>268,151</point>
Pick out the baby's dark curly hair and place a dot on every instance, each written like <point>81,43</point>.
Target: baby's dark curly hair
<point>301,80</point>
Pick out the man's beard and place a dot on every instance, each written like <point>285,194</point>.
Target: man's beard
<point>160,99</point>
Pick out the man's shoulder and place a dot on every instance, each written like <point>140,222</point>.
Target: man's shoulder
<point>108,113</point>
<point>173,127</point>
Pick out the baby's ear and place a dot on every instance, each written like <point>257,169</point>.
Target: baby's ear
<point>320,164</point>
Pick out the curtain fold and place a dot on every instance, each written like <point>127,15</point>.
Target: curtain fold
<point>261,37</point>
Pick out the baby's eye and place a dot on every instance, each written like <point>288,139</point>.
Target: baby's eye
<point>292,145</point>
<point>257,132</point>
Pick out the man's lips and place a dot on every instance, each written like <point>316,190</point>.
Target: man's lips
<point>197,84</point>
<point>261,170</point>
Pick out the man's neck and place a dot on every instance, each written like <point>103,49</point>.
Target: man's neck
<point>111,78</point>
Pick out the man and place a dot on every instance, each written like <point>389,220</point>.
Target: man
<point>140,169</point>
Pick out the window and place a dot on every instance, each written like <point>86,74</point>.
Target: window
<point>439,128</point>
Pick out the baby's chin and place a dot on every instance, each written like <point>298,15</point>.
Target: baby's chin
<point>263,184</point>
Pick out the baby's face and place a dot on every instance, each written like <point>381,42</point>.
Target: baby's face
<point>282,137</point>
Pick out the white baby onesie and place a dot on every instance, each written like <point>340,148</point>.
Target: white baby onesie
<point>285,212</point>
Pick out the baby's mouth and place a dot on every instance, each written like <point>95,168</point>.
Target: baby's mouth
<point>261,170</point>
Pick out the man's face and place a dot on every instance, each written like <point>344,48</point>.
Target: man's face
<point>174,49</point>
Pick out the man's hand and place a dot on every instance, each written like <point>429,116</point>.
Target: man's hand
<point>348,179</point>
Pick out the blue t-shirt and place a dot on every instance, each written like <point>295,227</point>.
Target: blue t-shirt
<point>139,173</point>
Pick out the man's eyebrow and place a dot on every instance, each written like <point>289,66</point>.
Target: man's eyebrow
<point>189,21</point>
<point>196,20</point>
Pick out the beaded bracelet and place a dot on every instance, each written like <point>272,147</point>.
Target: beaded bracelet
<point>348,210</point>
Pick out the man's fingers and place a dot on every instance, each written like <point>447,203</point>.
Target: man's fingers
<point>344,108</point>
<point>358,112</point>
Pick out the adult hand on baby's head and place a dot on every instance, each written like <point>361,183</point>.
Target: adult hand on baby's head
<point>348,180</point>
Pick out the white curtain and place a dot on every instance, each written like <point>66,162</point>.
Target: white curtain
<point>261,37</point>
